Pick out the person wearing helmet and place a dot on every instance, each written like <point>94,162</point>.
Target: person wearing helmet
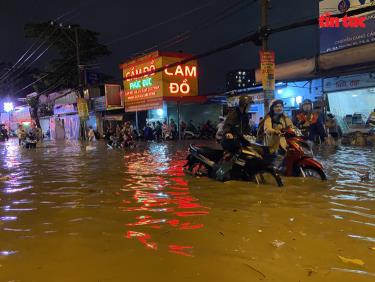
<point>310,123</point>
<point>272,125</point>
<point>236,125</point>
<point>333,128</point>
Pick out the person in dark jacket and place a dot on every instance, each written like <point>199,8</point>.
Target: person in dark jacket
<point>236,125</point>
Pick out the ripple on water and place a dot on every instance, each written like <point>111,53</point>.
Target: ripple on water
<point>64,198</point>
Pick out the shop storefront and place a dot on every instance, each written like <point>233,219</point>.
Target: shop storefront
<point>351,99</point>
<point>65,119</point>
<point>20,115</point>
<point>108,110</point>
<point>65,124</point>
<point>166,94</point>
<point>198,109</point>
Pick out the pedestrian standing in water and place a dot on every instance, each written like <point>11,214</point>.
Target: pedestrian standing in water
<point>21,134</point>
<point>91,134</point>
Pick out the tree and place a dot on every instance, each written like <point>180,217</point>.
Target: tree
<point>61,72</point>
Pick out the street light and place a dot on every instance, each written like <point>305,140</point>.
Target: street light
<point>8,107</point>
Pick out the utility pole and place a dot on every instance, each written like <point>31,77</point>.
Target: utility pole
<point>265,5</point>
<point>80,86</point>
<point>75,42</point>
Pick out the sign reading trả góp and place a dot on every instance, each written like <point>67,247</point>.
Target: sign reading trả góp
<point>83,110</point>
<point>267,66</point>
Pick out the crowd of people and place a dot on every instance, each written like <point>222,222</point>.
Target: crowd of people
<point>125,134</point>
<point>32,135</point>
<point>315,126</point>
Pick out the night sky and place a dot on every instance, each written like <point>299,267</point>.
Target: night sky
<point>210,26</point>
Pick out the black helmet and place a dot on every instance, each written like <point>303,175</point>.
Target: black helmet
<point>244,101</point>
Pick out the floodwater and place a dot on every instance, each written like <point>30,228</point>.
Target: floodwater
<point>71,213</point>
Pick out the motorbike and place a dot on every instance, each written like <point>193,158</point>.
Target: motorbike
<point>190,135</point>
<point>129,142</point>
<point>114,143</point>
<point>29,142</point>
<point>253,162</point>
<point>299,158</point>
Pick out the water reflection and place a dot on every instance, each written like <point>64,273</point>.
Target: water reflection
<point>113,208</point>
<point>157,194</point>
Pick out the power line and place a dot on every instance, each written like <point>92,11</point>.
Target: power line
<point>254,37</point>
<point>31,84</point>
<point>226,13</point>
<point>152,27</point>
<point>40,42</point>
<point>161,23</point>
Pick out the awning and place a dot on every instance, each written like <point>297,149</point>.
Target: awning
<point>114,117</point>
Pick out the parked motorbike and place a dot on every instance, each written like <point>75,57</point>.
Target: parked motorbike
<point>252,163</point>
<point>190,135</point>
<point>129,142</point>
<point>299,159</point>
<point>114,143</point>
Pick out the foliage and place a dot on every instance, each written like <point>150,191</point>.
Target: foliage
<point>62,71</point>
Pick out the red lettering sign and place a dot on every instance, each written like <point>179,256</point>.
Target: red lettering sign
<point>326,21</point>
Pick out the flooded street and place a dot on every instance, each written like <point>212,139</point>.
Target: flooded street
<point>74,214</point>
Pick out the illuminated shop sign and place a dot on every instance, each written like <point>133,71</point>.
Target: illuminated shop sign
<point>145,90</point>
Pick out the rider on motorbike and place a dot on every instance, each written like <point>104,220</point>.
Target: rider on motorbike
<point>236,125</point>
<point>310,122</point>
<point>272,126</point>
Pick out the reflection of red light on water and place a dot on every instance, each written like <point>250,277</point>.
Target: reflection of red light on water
<point>180,250</point>
<point>168,199</point>
<point>143,238</point>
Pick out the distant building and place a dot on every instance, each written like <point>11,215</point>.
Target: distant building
<point>240,79</point>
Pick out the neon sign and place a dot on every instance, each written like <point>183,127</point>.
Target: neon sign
<point>138,84</point>
<point>183,88</point>
<point>189,71</point>
<point>147,81</point>
<point>181,79</point>
<point>137,70</point>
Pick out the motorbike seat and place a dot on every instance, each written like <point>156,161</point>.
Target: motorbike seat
<point>257,146</point>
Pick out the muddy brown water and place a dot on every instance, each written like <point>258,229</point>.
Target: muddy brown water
<point>71,213</point>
